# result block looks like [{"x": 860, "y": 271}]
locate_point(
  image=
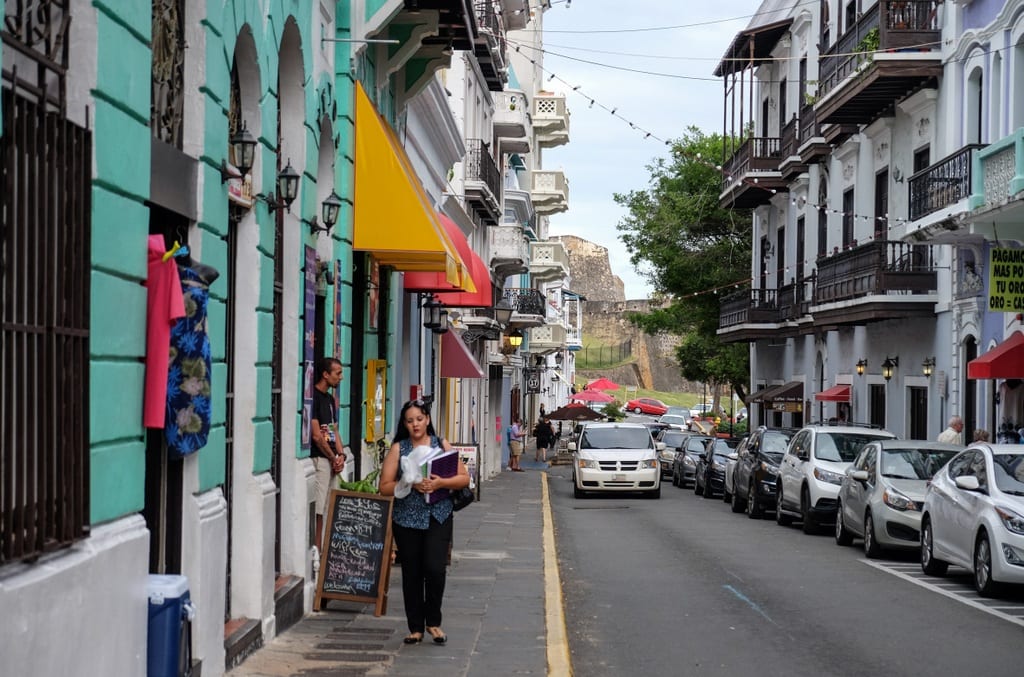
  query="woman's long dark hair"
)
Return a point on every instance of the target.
[{"x": 403, "y": 432}]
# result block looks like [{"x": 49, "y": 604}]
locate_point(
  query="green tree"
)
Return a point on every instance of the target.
[{"x": 693, "y": 252}]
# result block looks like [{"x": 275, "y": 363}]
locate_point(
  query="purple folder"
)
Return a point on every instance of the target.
[{"x": 445, "y": 465}]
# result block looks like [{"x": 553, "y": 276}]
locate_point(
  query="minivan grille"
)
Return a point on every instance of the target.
[{"x": 618, "y": 466}]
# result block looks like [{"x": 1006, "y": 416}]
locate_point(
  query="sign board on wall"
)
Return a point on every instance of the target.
[{"x": 1006, "y": 280}]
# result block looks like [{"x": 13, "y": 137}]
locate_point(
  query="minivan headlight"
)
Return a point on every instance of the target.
[
  {"x": 588, "y": 463},
  {"x": 828, "y": 476},
  {"x": 1011, "y": 520},
  {"x": 649, "y": 463}
]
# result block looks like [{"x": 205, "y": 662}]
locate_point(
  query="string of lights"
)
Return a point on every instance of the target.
[{"x": 710, "y": 22}]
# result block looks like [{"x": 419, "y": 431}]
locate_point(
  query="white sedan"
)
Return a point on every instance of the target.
[{"x": 974, "y": 516}]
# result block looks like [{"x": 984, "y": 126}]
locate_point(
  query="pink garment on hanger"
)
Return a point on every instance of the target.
[{"x": 164, "y": 305}]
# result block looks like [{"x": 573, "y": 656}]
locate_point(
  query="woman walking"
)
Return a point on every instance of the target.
[
  {"x": 544, "y": 434},
  {"x": 423, "y": 531}
]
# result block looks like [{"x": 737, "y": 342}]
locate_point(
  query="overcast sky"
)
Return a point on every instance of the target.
[{"x": 604, "y": 155}]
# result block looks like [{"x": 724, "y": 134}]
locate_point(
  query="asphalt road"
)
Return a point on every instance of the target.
[{"x": 682, "y": 586}]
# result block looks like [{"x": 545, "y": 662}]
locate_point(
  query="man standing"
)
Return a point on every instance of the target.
[
  {"x": 515, "y": 443},
  {"x": 954, "y": 433},
  {"x": 326, "y": 449}
]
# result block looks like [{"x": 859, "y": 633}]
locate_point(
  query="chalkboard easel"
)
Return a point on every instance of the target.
[{"x": 355, "y": 564}]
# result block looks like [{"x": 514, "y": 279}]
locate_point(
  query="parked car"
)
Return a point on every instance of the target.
[
  {"x": 674, "y": 421},
  {"x": 678, "y": 411},
  {"x": 709, "y": 476},
  {"x": 812, "y": 470},
  {"x": 672, "y": 439},
  {"x": 615, "y": 457},
  {"x": 730, "y": 468},
  {"x": 647, "y": 405},
  {"x": 882, "y": 493},
  {"x": 755, "y": 476},
  {"x": 974, "y": 516},
  {"x": 684, "y": 467}
]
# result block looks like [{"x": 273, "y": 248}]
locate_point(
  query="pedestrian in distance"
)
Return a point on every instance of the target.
[
  {"x": 953, "y": 434},
  {"x": 545, "y": 435},
  {"x": 326, "y": 448},
  {"x": 981, "y": 435},
  {"x": 515, "y": 443},
  {"x": 423, "y": 531}
]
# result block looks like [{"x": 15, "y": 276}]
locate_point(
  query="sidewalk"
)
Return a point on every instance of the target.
[{"x": 494, "y": 605}]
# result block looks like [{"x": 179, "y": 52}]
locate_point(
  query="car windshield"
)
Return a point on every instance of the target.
[
  {"x": 1009, "y": 473},
  {"x": 678, "y": 411},
  {"x": 774, "y": 443},
  {"x": 725, "y": 446},
  {"x": 616, "y": 438},
  {"x": 672, "y": 439},
  {"x": 840, "y": 447},
  {"x": 672, "y": 420},
  {"x": 914, "y": 464}
]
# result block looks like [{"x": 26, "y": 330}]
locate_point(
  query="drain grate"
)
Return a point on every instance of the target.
[{"x": 345, "y": 657}]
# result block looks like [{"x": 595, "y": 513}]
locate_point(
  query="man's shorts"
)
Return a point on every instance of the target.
[
  {"x": 321, "y": 482},
  {"x": 516, "y": 448}
]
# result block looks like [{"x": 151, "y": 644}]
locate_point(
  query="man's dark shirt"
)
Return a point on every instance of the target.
[{"x": 323, "y": 414}]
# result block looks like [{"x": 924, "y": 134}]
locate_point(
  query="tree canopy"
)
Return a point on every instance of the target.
[{"x": 693, "y": 252}]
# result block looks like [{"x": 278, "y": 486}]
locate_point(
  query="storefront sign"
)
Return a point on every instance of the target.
[
  {"x": 1006, "y": 280},
  {"x": 469, "y": 453},
  {"x": 240, "y": 189},
  {"x": 790, "y": 407}
]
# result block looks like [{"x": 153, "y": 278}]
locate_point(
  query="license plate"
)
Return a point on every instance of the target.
[{"x": 619, "y": 478}]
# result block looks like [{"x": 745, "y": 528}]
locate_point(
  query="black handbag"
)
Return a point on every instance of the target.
[{"x": 461, "y": 498}]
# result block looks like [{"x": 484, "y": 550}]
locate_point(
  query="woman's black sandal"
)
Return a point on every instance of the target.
[
  {"x": 439, "y": 636},
  {"x": 414, "y": 638}
]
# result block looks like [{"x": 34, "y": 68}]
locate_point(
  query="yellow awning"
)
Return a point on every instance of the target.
[{"x": 393, "y": 216}]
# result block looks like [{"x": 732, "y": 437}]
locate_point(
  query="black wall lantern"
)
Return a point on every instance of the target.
[
  {"x": 287, "y": 189},
  {"x": 243, "y": 149},
  {"x": 928, "y": 366},
  {"x": 889, "y": 366},
  {"x": 861, "y": 366},
  {"x": 435, "y": 315},
  {"x": 329, "y": 211},
  {"x": 503, "y": 312}
]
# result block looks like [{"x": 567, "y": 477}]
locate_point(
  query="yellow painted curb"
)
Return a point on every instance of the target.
[{"x": 559, "y": 661}]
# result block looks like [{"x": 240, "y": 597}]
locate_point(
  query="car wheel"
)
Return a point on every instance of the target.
[
  {"x": 738, "y": 504},
  {"x": 754, "y": 509},
  {"x": 577, "y": 492},
  {"x": 637, "y": 410},
  {"x": 810, "y": 526},
  {"x": 843, "y": 535},
  {"x": 929, "y": 564},
  {"x": 983, "y": 582},
  {"x": 781, "y": 518},
  {"x": 871, "y": 548},
  {"x": 655, "y": 494}
]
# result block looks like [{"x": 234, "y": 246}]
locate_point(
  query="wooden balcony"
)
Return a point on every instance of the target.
[
  {"x": 810, "y": 142},
  {"x": 767, "y": 313},
  {"x": 877, "y": 281},
  {"x": 856, "y": 87},
  {"x": 791, "y": 164},
  {"x": 943, "y": 184},
  {"x": 751, "y": 176}
]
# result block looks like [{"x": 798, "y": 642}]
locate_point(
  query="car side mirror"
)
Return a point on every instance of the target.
[
  {"x": 572, "y": 446},
  {"x": 859, "y": 475},
  {"x": 659, "y": 446},
  {"x": 733, "y": 456},
  {"x": 968, "y": 483},
  {"x": 802, "y": 455}
]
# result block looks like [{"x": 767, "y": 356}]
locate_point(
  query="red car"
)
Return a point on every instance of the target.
[{"x": 647, "y": 405}]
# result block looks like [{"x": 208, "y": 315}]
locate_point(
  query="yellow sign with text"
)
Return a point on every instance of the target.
[{"x": 1006, "y": 280}]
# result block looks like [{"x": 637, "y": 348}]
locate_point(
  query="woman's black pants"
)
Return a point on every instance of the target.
[{"x": 424, "y": 555}]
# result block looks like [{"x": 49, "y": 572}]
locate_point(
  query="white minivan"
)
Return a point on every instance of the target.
[{"x": 615, "y": 457}]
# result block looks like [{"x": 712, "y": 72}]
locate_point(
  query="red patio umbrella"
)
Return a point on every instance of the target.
[
  {"x": 592, "y": 396},
  {"x": 603, "y": 384}
]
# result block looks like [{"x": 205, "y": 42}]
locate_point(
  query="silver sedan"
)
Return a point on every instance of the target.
[{"x": 882, "y": 493}]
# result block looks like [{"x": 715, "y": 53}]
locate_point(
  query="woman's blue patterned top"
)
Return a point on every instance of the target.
[{"x": 413, "y": 511}]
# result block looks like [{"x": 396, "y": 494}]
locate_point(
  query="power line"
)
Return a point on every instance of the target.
[{"x": 679, "y": 26}]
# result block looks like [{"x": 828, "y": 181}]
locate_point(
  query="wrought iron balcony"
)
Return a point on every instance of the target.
[
  {"x": 528, "y": 306},
  {"x": 893, "y": 48},
  {"x": 876, "y": 281},
  {"x": 943, "y": 184},
  {"x": 513, "y": 124},
  {"x": 490, "y": 45},
  {"x": 547, "y": 338},
  {"x": 550, "y": 119},
  {"x": 510, "y": 252},
  {"x": 752, "y": 173},
  {"x": 482, "y": 182},
  {"x": 550, "y": 192},
  {"x": 548, "y": 261}
]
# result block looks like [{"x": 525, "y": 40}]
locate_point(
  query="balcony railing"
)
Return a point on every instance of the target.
[
  {"x": 877, "y": 268},
  {"x": 510, "y": 252},
  {"x": 748, "y": 306},
  {"x": 574, "y": 338},
  {"x": 945, "y": 183},
  {"x": 548, "y": 260},
  {"x": 525, "y": 301},
  {"x": 550, "y": 192},
  {"x": 788, "y": 140},
  {"x": 547, "y": 337},
  {"x": 900, "y": 25},
  {"x": 809, "y": 127},
  {"x": 756, "y": 154},
  {"x": 482, "y": 182},
  {"x": 550, "y": 119},
  {"x": 794, "y": 299},
  {"x": 512, "y": 121},
  {"x": 996, "y": 177},
  {"x": 490, "y": 47}
]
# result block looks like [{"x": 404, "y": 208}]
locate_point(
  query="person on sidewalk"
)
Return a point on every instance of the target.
[
  {"x": 423, "y": 531},
  {"x": 954, "y": 433},
  {"x": 515, "y": 443},
  {"x": 326, "y": 448},
  {"x": 544, "y": 434}
]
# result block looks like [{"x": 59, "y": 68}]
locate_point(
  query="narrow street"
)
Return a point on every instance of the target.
[{"x": 681, "y": 585}]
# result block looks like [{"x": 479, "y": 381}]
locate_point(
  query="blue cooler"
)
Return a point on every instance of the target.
[{"x": 169, "y": 647}]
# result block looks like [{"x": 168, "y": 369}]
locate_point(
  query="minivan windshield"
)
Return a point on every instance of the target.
[
  {"x": 841, "y": 447},
  {"x": 616, "y": 438}
]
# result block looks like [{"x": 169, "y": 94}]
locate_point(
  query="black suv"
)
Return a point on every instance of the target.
[{"x": 757, "y": 470}]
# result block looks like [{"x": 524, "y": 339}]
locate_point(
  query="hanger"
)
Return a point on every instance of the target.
[{"x": 173, "y": 251}]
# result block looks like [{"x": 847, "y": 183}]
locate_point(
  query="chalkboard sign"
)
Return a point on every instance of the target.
[{"x": 355, "y": 564}]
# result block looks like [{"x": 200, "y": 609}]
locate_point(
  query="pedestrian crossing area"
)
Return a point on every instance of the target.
[{"x": 957, "y": 584}]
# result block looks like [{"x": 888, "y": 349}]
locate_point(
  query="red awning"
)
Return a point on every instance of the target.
[
  {"x": 1006, "y": 360},
  {"x": 438, "y": 282},
  {"x": 837, "y": 393},
  {"x": 483, "y": 297},
  {"x": 456, "y": 360}
]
